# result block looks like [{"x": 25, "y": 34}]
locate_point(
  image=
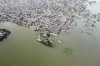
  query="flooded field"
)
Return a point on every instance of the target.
[{"x": 80, "y": 46}]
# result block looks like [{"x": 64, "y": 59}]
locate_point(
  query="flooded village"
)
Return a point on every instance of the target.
[{"x": 50, "y": 21}]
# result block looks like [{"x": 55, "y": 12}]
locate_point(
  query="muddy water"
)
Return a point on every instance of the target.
[{"x": 22, "y": 49}]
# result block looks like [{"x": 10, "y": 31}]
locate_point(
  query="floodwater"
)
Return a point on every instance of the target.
[{"x": 22, "y": 49}]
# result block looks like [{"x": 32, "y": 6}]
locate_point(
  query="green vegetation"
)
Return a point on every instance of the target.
[
  {"x": 48, "y": 34},
  {"x": 4, "y": 34},
  {"x": 46, "y": 43},
  {"x": 44, "y": 39},
  {"x": 68, "y": 51}
]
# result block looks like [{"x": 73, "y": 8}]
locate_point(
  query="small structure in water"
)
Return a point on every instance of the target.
[
  {"x": 46, "y": 43},
  {"x": 44, "y": 39},
  {"x": 4, "y": 33}
]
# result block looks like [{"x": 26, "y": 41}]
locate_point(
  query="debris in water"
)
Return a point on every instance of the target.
[{"x": 59, "y": 41}]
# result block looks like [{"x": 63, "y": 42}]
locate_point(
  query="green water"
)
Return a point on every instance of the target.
[{"x": 22, "y": 49}]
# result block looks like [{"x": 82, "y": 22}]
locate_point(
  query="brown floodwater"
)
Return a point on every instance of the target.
[{"x": 22, "y": 49}]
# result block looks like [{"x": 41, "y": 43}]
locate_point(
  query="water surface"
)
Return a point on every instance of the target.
[{"x": 22, "y": 49}]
